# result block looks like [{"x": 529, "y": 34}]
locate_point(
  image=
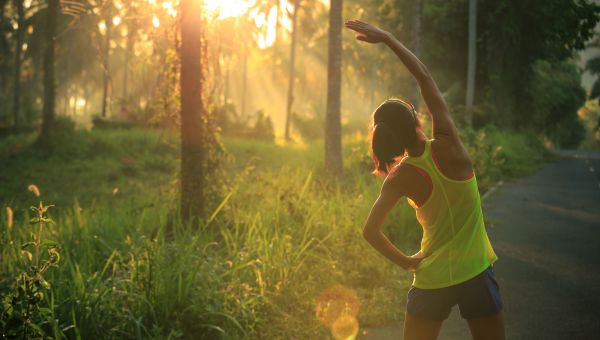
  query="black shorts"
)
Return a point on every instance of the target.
[{"x": 477, "y": 297}]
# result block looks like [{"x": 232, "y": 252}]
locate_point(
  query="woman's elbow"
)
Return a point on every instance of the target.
[{"x": 369, "y": 234}]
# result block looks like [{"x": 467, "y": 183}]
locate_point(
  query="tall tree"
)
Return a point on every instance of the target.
[
  {"x": 192, "y": 113},
  {"x": 245, "y": 51},
  {"x": 4, "y": 50},
  {"x": 275, "y": 47},
  {"x": 417, "y": 32},
  {"x": 472, "y": 58},
  {"x": 333, "y": 127},
  {"x": 292, "y": 72},
  {"x": 106, "y": 65},
  {"x": 49, "y": 86},
  {"x": 18, "y": 56},
  {"x": 131, "y": 32}
]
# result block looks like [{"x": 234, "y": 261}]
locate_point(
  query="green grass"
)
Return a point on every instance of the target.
[{"x": 284, "y": 234}]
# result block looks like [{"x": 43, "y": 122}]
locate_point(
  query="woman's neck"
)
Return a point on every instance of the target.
[{"x": 417, "y": 148}]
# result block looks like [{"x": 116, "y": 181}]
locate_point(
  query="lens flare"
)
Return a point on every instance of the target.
[
  {"x": 344, "y": 328},
  {"x": 337, "y": 308},
  {"x": 155, "y": 21}
]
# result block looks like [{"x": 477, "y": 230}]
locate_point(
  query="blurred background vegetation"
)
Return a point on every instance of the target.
[{"x": 279, "y": 232}]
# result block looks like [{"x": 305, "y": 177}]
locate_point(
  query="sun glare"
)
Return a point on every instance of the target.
[{"x": 228, "y": 8}]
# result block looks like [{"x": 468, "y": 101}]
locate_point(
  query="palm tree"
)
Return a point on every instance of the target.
[
  {"x": 333, "y": 128},
  {"x": 131, "y": 32},
  {"x": 18, "y": 57},
  {"x": 3, "y": 48},
  {"x": 292, "y": 73},
  {"x": 192, "y": 113},
  {"x": 49, "y": 86},
  {"x": 417, "y": 48},
  {"x": 106, "y": 64},
  {"x": 472, "y": 58}
]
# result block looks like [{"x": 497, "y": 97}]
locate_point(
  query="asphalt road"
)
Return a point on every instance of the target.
[{"x": 545, "y": 229}]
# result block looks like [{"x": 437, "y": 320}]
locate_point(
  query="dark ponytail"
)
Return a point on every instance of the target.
[
  {"x": 386, "y": 147},
  {"x": 394, "y": 130}
]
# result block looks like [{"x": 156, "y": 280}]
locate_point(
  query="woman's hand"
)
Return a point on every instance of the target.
[
  {"x": 412, "y": 262},
  {"x": 366, "y": 32}
]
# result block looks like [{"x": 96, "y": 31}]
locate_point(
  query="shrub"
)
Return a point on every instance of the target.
[
  {"x": 105, "y": 124},
  {"x": 259, "y": 125},
  {"x": 557, "y": 95}
]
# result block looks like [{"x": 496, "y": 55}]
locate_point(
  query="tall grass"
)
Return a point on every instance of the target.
[{"x": 283, "y": 234}]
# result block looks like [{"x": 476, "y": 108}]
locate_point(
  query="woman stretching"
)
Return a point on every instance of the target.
[{"x": 454, "y": 263}]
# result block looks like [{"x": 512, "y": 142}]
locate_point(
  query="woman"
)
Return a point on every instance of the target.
[{"x": 453, "y": 265}]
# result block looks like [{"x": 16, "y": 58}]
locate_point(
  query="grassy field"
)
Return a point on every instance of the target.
[{"x": 281, "y": 256}]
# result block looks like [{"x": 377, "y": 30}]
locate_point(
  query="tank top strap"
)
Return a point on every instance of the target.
[{"x": 423, "y": 159}]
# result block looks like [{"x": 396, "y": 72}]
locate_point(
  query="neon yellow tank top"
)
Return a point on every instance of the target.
[{"x": 454, "y": 237}]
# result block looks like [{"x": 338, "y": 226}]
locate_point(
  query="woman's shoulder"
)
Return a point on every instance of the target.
[{"x": 449, "y": 149}]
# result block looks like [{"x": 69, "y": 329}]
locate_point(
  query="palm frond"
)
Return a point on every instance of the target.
[{"x": 74, "y": 8}]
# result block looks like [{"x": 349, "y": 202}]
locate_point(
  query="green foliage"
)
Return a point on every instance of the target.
[
  {"x": 281, "y": 235},
  {"x": 500, "y": 154},
  {"x": 593, "y": 65},
  {"x": 309, "y": 127},
  {"x": 590, "y": 116},
  {"x": 557, "y": 95},
  {"x": 312, "y": 127},
  {"x": 100, "y": 162},
  {"x": 63, "y": 140},
  {"x": 263, "y": 127},
  {"x": 516, "y": 37},
  {"x": 100, "y": 123},
  {"x": 258, "y": 126},
  {"x": 24, "y": 312}
]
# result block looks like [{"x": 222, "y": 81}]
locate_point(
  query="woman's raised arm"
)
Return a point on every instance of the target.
[{"x": 443, "y": 126}]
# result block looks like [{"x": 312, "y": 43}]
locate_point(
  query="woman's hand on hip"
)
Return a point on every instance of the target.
[{"x": 413, "y": 262}]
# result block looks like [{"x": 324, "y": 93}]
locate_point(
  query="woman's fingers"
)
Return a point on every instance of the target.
[
  {"x": 356, "y": 28},
  {"x": 352, "y": 24},
  {"x": 356, "y": 24}
]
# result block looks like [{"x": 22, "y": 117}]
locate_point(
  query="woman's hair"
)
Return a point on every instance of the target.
[{"x": 394, "y": 129}]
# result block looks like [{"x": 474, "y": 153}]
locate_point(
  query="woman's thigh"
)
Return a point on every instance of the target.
[
  {"x": 421, "y": 329},
  {"x": 487, "y": 328}
]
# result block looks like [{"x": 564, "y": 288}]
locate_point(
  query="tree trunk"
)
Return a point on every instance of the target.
[
  {"x": 192, "y": 112},
  {"x": 49, "y": 86},
  {"x": 86, "y": 97},
  {"x": 18, "y": 56},
  {"x": 472, "y": 59},
  {"x": 243, "y": 112},
  {"x": 226, "y": 85},
  {"x": 128, "y": 51},
  {"x": 373, "y": 86},
  {"x": 292, "y": 73},
  {"x": 333, "y": 126},
  {"x": 275, "y": 42},
  {"x": 106, "y": 65},
  {"x": 4, "y": 51},
  {"x": 416, "y": 96}
]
